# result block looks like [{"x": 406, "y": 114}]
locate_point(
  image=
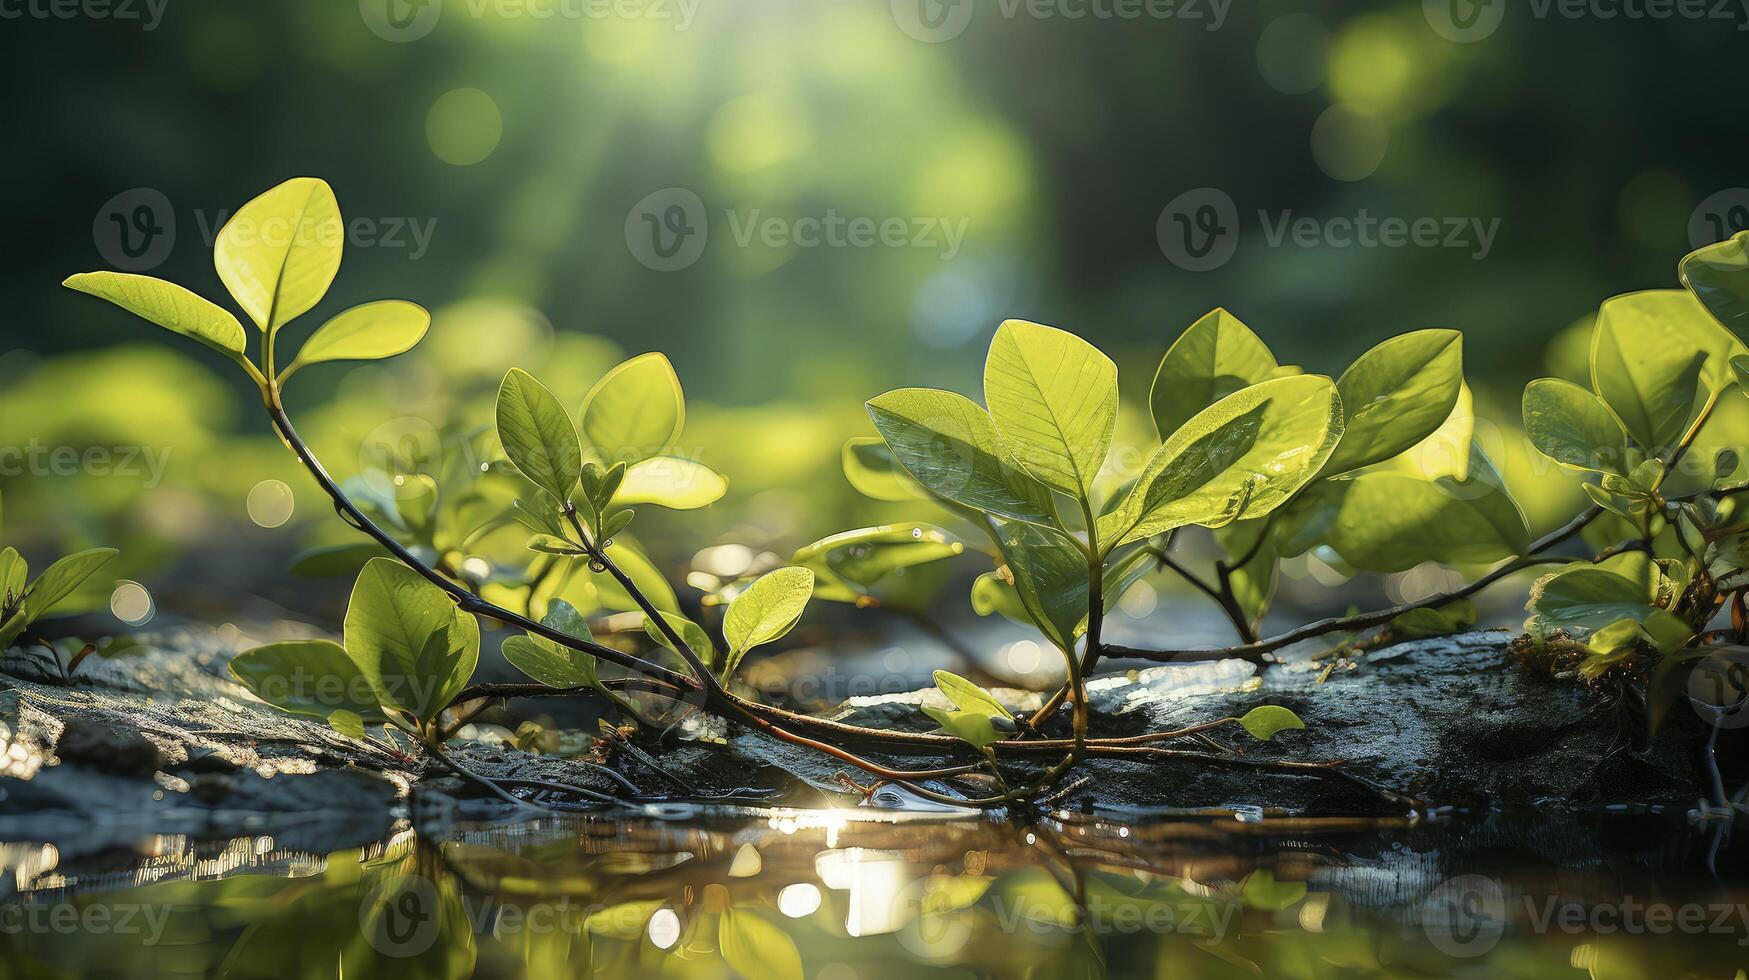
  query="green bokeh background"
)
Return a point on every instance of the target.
[{"x": 522, "y": 143}]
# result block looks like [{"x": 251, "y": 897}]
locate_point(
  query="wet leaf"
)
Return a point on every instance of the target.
[{"x": 1269, "y": 720}]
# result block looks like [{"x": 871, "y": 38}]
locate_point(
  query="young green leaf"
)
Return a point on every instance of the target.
[
  {"x": 169, "y": 306},
  {"x": 871, "y": 469},
  {"x": 365, "y": 333},
  {"x": 967, "y": 696},
  {"x": 1655, "y": 356},
  {"x": 867, "y": 555},
  {"x": 672, "y": 482},
  {"x": 765, "y": 611},
  {"x": 550, "y": 663},
  {"x": 1390, "y": 522},
  {"x": 414, "y": 647},
  {"x": 697, "y": 640},
  {"x": 976, "y": 716},
  {"x": 1053, "y": 396},
  {"x": 951, "y": 447},
  {"x": 1241, "y": 457},
  {"x": 13, "y": 572},
  {"x": 537, "y": 434},
  {"x": 1050, "y": 575},
  {"x": 1395, "y": 394},
  {"x": 1718, "y": 275},
  {"x": 279, "y": 253},
  {"x": 58, "y": 581},
  {"x": 991, "y": 593},
  {"x": 1217, "y": 356},
  {"x": 1573, "y": 427},
  {"x": 347, "y": 723},
  {"x": 309, "y": 678},
  {"x": 1590, "y": 596},
  {"x": 1269, "y": 720},
  {"x": 636, "y": 411}
]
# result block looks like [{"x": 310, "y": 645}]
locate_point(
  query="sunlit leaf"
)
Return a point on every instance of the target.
[
  {"x": 13, "y": 572},
  {"x": 1395, "y": 394},
  {"x": 1587, "y": 596},
  {"x": 1267, "y": 721},
  {"x": 1390, "y": 522},
  {"x": 347, "y": 723},
  {"x": 644, "y": 575},
  {"x": 1655, "y": 356},
  {"x": 754, "y": 947},
  {"x": 1239, "y": 458},
  {"x": 991, "y": 593},
  {"x": 1217, "y": 356},
  {"x": 1719, "y": 277},
  {"x": 309, "y": 678},
  {"x": 1053, "y": 397},
  {"x": 636, "y": 411},
  {"x": 950, "y": 446},
  {"x": 550, "y": 663},
  {"x": 169, "y": 306},
  {"x": 870, "y": 467},
  {"x": 1051, "y": 577},
  {"x": 697, "y": 640},
  {"x": 279, "y": 253},
  {"x": 1419, "y": 624},
  {"x": 976, "y": 716},
  {"x": 672, "y": 482},
  {"x": 409, "y": 640},
  {"x": 58, "y": 581},
  {"x": 766, "y": 610},
  {"x": 537, "y": 434},
  {"x": 366, "y": 333},
  {"x": 867, "y": 555},
  {"x": 1573, "y": 427}
]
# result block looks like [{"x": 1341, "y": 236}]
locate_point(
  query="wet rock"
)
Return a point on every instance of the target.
[{"x": 92, "y": 744}]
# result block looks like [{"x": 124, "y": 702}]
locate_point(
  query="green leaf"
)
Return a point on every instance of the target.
[
  {"x": 672, "y": 482},
  {"x": 13, "y": 572},
  {"x": 951, "y": 447},
  {"x": 1740, "y": 367},
  {"x": 58, "y": 581},
  {"x": 766, "y": 610},
  {"x": 335, "y": 560},
  {"x": 636, "y": 411},
  {"x": 871, "y": 469},
  {"x": 1586, "y": 596},
  {"x": 1239, "y": 458},
  {"x": 279, "y": 253},
  {"x": 867, "y": 555},
  {"x": 976, "y": 718},
  {"x": 644, "y": 575},
  {"x": 169, "y": 306},
  {"x": 1395, "y": 395},
  {"x": 697, "y": 640},
  {"x": 753, "y": 947},
  {"x": 1655, "y": 356},
  {"x": 1260, "y": 890},
  {"x": 347, "y": 723},
  {"x": 1718, "y": 275},
  {"x": 538, "y": 435},
  {"x": 308, "y": 678},
  {"x": 991, "y": 593},
  {"x": 1420, "y": 624},
  {"x": 1050, "y": 575},
  {"x": 1269, "y": 720},
  {"x": 1053, "y": 397},
  {"x": 409, "y": 640},
  {"x": 1386, "y": 521},
  {"x": 1217, "y": 356},
  {"x": 1573, "y": 427},
  {"x": 365, "y": 333},
  {"x": 550, "y": 663}
]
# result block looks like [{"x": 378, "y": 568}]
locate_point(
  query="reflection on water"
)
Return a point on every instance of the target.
[{"x": 857, "y": 895}]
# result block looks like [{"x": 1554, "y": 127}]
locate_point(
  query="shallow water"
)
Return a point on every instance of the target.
[{"x": 861, "y": 894}]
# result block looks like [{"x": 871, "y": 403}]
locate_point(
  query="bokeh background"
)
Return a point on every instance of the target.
[{"x": 510, "y": 164}]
